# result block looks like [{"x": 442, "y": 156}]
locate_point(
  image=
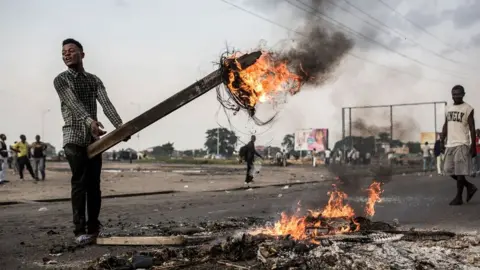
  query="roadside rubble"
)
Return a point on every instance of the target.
[{"x": 230, "y": 246}]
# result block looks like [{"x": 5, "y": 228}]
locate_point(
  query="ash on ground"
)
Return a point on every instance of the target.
[{"x": 232, "y": 247}]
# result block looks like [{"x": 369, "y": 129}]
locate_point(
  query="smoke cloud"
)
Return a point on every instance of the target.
[
  {"x": 316, "y": 55},
  {"x": 322, "y": 49},
  {"x": 318, "y": 48},
  {"x": 403, "y": 129}
]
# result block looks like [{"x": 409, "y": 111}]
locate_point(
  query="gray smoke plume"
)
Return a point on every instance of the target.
[
  {"x": 318, "y": 48},
  {"x": 403, "y": 129},
  {"x": 317, "y": 54}
]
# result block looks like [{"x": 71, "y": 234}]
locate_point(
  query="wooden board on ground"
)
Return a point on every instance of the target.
[{"x": 141, "y": 241}]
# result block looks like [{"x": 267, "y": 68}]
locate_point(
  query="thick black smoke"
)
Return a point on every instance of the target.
[
  {"x": 317, "y": 54},
  {"x": 318, "y": 48}
]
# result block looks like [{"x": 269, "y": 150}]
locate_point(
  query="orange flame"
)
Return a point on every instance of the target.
[
  {"x": 309, "y": 226},
  {"x": 374, "y": 192},
  {"x": 260, "y": 81},
  {"x": 335, "y": 207}
]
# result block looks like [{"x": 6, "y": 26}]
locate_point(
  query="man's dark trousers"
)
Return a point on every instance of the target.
[
  {"x": 249, "y": 177},
  {"x": 85, "y": 188},
  {"x": 22, "y": 163}
]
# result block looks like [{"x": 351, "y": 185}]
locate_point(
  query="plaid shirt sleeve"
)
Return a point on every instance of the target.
[
  {"x": 108, "y": 108},
  {"x": 70, "y": 100}
]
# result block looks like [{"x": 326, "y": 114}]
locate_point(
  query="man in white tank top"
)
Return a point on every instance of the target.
[{"x": 459, "y": 132}]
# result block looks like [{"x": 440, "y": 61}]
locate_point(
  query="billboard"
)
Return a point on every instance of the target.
[
  {"x": 309, "y": 139},
  {"x": 429, "y": 137}
]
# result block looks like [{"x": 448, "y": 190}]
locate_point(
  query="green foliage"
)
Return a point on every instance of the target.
[
  {"x": 228, "y": 141},
  {"x": 288, "y": 142},
  {"x": 164, "y": 150}
]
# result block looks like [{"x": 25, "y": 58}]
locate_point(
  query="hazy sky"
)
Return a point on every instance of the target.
[{"x": 147, "y": 50}]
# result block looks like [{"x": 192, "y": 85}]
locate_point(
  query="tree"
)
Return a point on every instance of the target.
[
  {"x": 228, "y": 141},
  {"x": 164, "y": 150},
  {"x": 188, "y": 153},
  {"x": 288, "y": 142}
]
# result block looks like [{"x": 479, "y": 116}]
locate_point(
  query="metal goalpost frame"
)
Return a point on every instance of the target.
[{"x": 349, "y": 109}]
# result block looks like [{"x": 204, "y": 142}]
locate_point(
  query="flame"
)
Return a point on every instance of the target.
[
  {"x": 323, "y": 221},
  {"x": 336, "y": 208},
  {"x": 260, "y": 81},
  {"x": 374, "y": 192}
]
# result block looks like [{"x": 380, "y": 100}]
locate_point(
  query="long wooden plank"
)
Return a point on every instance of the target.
[
  {"x": 165, "y": 108},
  {"x": 141, "y": 241}
]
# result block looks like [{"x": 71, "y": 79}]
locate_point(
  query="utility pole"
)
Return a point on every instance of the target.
[{"x": 218, "y": 142}]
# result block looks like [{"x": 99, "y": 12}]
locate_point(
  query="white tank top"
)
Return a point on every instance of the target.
[{"x": 457, "y": 124}]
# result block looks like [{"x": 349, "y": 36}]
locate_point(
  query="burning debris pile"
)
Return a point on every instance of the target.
[
  {"x": 336, "y": 218},
  {"x": 331, "y": 238},
  {"x": 366, "y": 250}
]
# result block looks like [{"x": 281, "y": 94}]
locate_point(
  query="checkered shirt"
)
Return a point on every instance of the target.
[{"x": 78, "y": 93}]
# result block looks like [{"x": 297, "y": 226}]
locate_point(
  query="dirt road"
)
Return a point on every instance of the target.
[{"x": 31, "y": 231}]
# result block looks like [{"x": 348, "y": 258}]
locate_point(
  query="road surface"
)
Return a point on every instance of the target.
[{"x": 28, "y": 231}]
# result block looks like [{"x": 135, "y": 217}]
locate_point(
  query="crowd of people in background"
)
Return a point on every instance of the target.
[{"x": 20, "y": 156}]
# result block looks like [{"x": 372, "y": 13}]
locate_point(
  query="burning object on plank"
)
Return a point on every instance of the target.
[
  {"x": 259, "y": 82},
  {"x": 277, "y": 74}
]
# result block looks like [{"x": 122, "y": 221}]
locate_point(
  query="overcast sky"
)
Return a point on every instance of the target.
[{"x": 147, "y": 50}]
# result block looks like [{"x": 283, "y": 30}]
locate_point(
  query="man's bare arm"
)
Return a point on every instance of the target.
[
  {"x": 71, "y": 101},
  {"x": 471, "y": 125},
  {"x": 107, "y": 105},
  {"x": 444, "y": 134}
]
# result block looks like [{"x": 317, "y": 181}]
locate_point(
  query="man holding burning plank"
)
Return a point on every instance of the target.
[
  {"x": 459, "y": 131},
  {"x": 79, "y": 91}
]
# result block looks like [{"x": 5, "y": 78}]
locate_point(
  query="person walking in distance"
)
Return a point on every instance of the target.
[
  {"x": 426, "y": 157},
  {"x": 459, "y": 133},
  {"x": 79, "y": 92},
  {"x": 14, "y": 159},
  {"x": 250, "y": 154},
  {"x": 438, "y": 152},
  {"x": 3, "y": 158},
  {"x": 38, "y": 148},
  {"x": 23, "y": 157},
  {"x": 314, "y": 157},
  {"x": 328, "y": 154}
]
